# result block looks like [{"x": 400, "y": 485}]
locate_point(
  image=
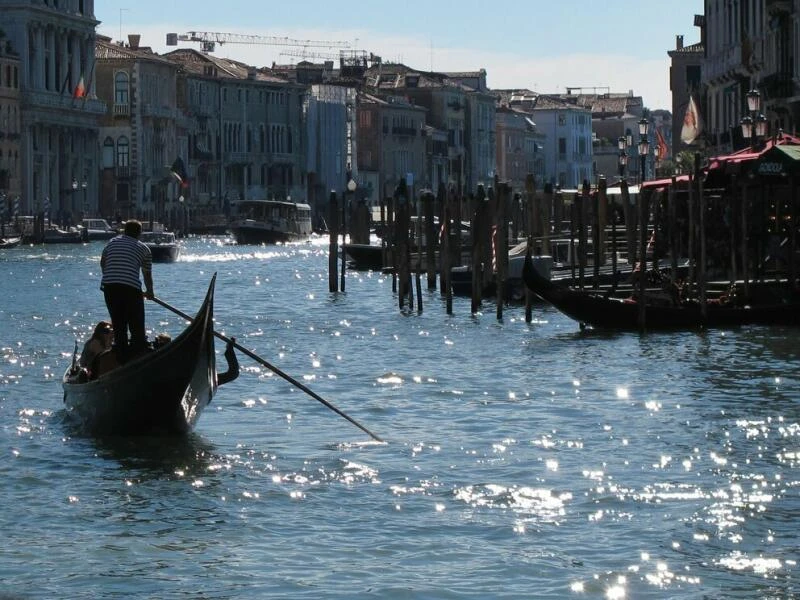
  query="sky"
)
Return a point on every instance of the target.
[{"x": 542, "y": 45}]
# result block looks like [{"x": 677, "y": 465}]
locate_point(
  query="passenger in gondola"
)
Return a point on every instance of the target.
[
  {"x": 97, "y": 344},
  {"x": 123, "y": 258}
]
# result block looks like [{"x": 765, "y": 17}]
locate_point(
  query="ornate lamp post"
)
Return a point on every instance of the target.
[
  {"x": 754, "y": 126},
  {"x": 644, "y": 146},
  {"x": 623, "y": 156},
  {"x": 72, "y": 203},
  {"x": 84, "y": 184}
]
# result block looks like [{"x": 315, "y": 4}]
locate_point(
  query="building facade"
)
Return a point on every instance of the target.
[
  {"x": 141, "y": 132},
  {"x": 58, "y": 137},
  {"x": 480, "y": 130},
  {"x": 391, "y": 145},
  {"x": 330, "y": 125},
  {"x": 10, "y": 129},
  {"x": 749, "y": 45},
  {"x": 445, "y": 103},
  {"x": 685, "y": 79},
  {"x": 568, "y": 128},
  {"x": 520, "y": 145},
  {"x": 245, "y": 130}
]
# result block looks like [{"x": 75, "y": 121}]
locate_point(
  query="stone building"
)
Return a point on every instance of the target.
[
  {"x": 10, "y": 127},
  {"x": 446, "y": 105},
  {"x": 684, "y": 79},
  {"x": 568, "y": 128},
  {"x": 55, "y": 41},
  {"x": 749, "y": 45},
  {"x": 520, "y": 142},
  {"x": 246, "y": 132},
  {"x": 141, "y": 133},
  {"x": 391, "y": 144},
  {"x": 481, "y": 163}
]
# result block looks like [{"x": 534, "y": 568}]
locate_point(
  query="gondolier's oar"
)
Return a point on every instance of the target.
[{"x": 275, "y": 370}]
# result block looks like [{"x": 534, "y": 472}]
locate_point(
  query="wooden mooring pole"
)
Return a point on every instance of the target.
[{"x": 333, "y": 243}]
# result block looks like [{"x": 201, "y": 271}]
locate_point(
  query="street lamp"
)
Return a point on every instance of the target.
[
  {"x": 84, "y": 184},
  {"x": 72, "y": 203},
  {"x": 622, "y": 144},
  {"x": 644, "y": 145},
  {"x": 754, "y": 125}
]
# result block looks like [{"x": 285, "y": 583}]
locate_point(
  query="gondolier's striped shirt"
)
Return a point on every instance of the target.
[{"x": 123, "y": 257}]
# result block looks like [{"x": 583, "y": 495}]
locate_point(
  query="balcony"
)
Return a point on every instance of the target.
[
  {"x": 148, "y": 109},
  {"x": 778, "y": 86},
  {"x": 122, "y": 110},
  {"x": 410, "y": 131},
  {"x": 54, "y": 100},
  {"x": 122, "y": 172},
  {"x": 778, "y": 7}
]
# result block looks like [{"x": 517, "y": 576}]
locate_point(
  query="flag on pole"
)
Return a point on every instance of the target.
[
  {"x": 691, "y": 123},
  {"x": 179, "y": 172},
  {"x": 663, "y": 149},
  {"x": 80, "y": 89}
]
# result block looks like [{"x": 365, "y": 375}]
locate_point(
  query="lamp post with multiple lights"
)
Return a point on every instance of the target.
[
  {"x": 754, "y": 126},
  {"x": 644, "y": 147},
  {"x": 623, "y": 143}
]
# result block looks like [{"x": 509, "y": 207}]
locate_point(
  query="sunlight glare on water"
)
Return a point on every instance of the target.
[{"x": 520, "y": 459}]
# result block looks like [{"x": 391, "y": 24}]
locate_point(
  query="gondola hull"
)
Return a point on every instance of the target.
[
  {"x": 600, "y": 311},
  {"x": 162, "y": 391}
]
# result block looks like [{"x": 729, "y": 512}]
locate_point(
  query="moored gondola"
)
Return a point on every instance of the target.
[
  {"x": 770, "y": 306},
  {"x": 162, "y": 391}
]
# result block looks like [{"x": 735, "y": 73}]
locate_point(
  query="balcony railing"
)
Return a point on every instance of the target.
[
  {"x": 122, "y": 110},
  {"x": 148, "y": 109},
  {"x": 123, "y": 172},
  {"x": 46, "y": 99},
  {"x": 410, "y": 131}
]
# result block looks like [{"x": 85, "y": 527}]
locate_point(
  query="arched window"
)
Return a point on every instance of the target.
[
  {"x": 123, "y": 152},
  {"x": 121, "y": 88},
  {"x": 108, "y": 153}
]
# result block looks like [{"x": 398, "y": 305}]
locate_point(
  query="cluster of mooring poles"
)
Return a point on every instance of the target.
[{"x": 713, "y": 231}]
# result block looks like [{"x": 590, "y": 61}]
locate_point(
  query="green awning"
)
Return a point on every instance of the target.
[{"x": 779, "y": 161}]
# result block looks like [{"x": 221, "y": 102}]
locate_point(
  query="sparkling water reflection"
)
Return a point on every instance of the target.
[{"x": 523, "y": 460}]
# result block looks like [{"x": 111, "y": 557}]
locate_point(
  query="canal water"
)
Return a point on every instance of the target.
[{"x": 522, "y": 460}]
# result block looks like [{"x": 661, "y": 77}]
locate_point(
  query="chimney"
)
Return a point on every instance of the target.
[
  {"x": 133, "y": 41},
  {"x": 679, "y": 42}
]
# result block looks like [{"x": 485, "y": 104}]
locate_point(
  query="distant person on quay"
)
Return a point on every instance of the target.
[{"x": 123, "y": 258}]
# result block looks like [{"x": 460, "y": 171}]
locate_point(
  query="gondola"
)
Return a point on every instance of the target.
[
  {"x": 162, "y": 391},
  {"x": 769, "y": 306}
]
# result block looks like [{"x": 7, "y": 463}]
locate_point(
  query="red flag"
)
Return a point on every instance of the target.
[
  {"x": 691, "y": 123},
  {"x": 663, "y": 149},
  {"x": 80, "y": 89}
]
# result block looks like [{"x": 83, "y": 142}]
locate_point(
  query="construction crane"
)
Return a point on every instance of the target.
[
  {"x": 210, "y": 39},
  {"x": 347, "y": 58}
]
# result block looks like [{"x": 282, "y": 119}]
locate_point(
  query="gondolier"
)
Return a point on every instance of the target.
[{"x": 123, "y": 258}]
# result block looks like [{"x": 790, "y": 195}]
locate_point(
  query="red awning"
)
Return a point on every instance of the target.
[
  {"x": 748, "y": 154},
  {"x": 664, "y": 183}
]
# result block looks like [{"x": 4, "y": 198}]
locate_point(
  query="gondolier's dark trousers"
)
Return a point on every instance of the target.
[{"x": 126, "y": 306}]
